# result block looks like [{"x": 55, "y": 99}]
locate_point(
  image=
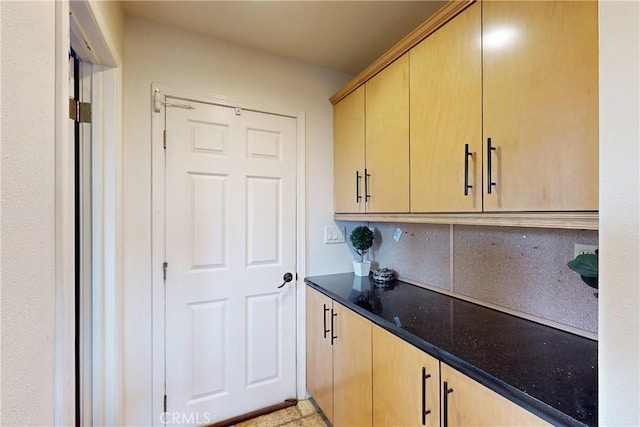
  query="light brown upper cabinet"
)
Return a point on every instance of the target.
[
  {"x": 496, "y": 111},
  {"x": 446, "y": 117},
  {"x": 387, "y": 139},
  {"x": 540, "y": 105},
  {"x": 348, "y": 153},
  {"x": 371, "y": 144}
]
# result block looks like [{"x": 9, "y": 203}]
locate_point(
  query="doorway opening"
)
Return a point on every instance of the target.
[{"x": 80, "y": 122}]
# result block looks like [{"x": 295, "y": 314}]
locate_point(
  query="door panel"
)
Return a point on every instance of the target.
[
  {"x": 207, "y": 137},
  {"x": 352, "y": 369},
  {"x": 320, "y": 350},
  {"x": 348, "y": 153},
  {"x": 540, "y": 73},
  {"x": 469, "y": 403},
  {"x": 263, "y": 340},
  {"x": 230, "y": 236},
  {"x": 208, "y": 348},
  {"x": 406, "y": 382},
  {"x": 446, "y": 114},
  {"x": 263, "y": 220},
  {"x": 208, "y": 213},
  {"x": 387, "y": 138}
]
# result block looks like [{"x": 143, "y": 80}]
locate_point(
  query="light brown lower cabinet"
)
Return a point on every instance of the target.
[
  {"x": 466, "y": 402},
  {"x": 319, "y": 350},
  {"x": 361, "y": 375},
  {"x": 406, "y": 383},
  {"x": 352, "y": 370},
  {"x": 339, "y": 367}
]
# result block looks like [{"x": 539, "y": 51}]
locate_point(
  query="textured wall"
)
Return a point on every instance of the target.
[
  {"x": 27, "y": 226},
  {"x": 422, "y": 253},
  {"x": 521, "y": 269}
]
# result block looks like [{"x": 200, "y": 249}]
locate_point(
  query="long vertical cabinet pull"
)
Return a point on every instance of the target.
[
  {"x": 324, "y": 319},
  {"x": 445, "y": 404},
  {"x": 490, "y": 182},
  {"x": 467, "y": 154},
  {"x": 333, "y": 316},
  {"x": 367, "y": 196},
  {"x": 358, "y": 196},
  {"x": 425, "y": 411}
]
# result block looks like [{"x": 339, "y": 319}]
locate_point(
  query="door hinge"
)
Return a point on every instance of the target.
[
  {"x": 79, "y": 111},
  {"x": 165, "y": 404},
  {"x": 164, "y": 139},
  {"x": 164, "y": 270}
]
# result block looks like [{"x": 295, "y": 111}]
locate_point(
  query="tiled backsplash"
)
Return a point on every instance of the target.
[{"x": 520, "y": 269}]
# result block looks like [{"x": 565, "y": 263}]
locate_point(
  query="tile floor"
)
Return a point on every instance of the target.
[{"x": 304, "y": 414}]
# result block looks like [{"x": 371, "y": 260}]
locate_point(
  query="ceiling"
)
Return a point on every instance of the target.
[{"x": 345, "y": 36}]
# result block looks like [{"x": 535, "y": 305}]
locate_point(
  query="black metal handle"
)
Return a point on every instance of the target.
[
  {"x": 445, "y": 404},
  {"x": 287, "y": 278},
  {"x": 358, "y": 196},
  {"x": 333, "y": 315},
  {"x": 367, "y": 196},
  {"x": 324, "y": 320},
  {"x": 467, "y": 154},
  {"x": 490, "y": 182},
  {"x": 425, "y": 411}
]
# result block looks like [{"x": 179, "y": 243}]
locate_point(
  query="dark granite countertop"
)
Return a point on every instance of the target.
[{"x": 550, "y": 372}]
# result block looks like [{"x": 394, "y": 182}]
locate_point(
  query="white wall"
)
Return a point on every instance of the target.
[
  {"x": 619, "y": 344},
  {"x": 184, "y": 61},
  {"x": 27, "y": 225}
]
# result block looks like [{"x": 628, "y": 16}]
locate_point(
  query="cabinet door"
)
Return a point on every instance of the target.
[
  {"x": 351, "y": 369},
  {"x": 406, "y": 383},
  {"x": 469, "y": 403},
  {"x": 348, "y": 153},
  {"x": 319, "y": 351},
  {"x": 540, "y": 76},
  {"x": 387, "y": 138},
  {"x": 446, "y": 115}
]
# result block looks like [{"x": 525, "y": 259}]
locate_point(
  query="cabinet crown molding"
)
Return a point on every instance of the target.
[{"x": 441, "y": 17}]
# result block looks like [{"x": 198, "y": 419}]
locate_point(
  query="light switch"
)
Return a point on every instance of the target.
[{"x": 333, "y": 234}]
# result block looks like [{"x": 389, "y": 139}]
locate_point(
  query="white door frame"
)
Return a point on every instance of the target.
[
  {"x": 158, "y": 234},
  {"x": 64, "y": 230},
  {"x": 86, "y": 36}
]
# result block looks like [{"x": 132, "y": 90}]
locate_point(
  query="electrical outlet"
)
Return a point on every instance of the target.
[
  {"x": 333, "y": 234},
  {"x": 579, "y": 249},
  {"x": 397, "y": 235}
]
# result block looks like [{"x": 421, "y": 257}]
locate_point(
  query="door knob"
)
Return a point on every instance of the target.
[{"x": 287, "y": 278}]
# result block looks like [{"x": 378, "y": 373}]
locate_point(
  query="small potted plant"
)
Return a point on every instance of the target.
[{"x": 361, "y": 239}]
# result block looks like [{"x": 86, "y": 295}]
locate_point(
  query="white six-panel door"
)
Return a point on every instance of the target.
[{"x": 230, "y": 237}]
